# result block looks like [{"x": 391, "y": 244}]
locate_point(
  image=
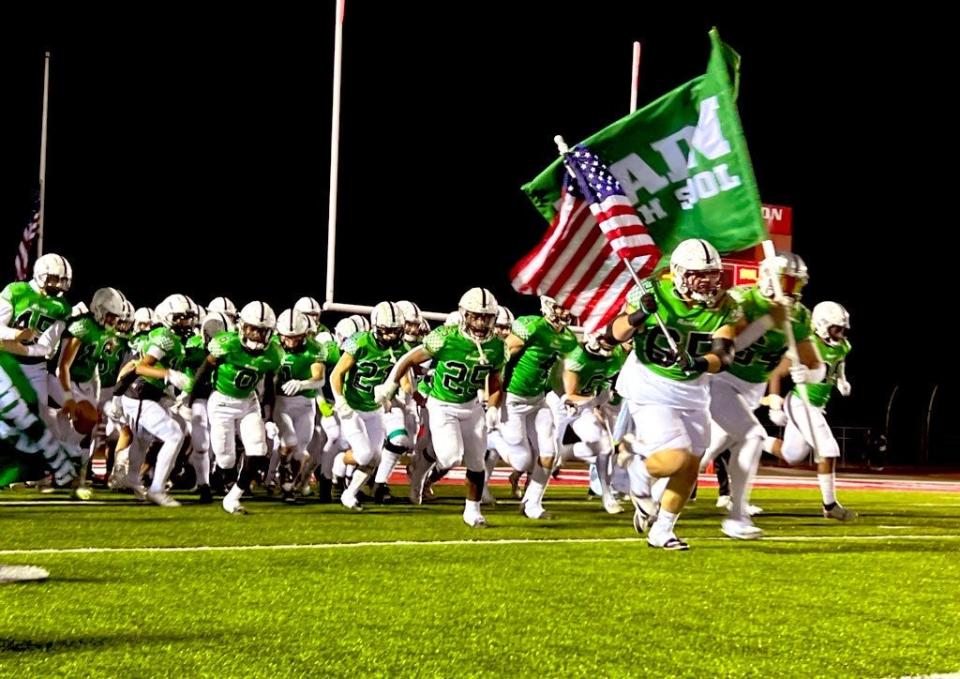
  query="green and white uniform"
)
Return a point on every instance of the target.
[
  {"x": 736, "y": 392},
  {"x": 364, "y": 428},
  {"x": 528, "y": 381},
  {"x": 797, "y": 438},
  {"x": 23, "y": 305},
  {"x": 234, "y": 404},
  {"x": 596, "y": 375},
  {"x": 148, "y": 417},
  {"x": 667, "y": 404},
  {"x": 296, "y": 415},
  {"x": 456, "y": 418}
]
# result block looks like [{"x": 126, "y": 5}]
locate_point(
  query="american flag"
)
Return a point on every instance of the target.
[
  {"x": 582, "y": 266},
  {"x": 30, "y": 232}
]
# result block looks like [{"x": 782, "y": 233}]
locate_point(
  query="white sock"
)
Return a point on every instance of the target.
[
  {"x": 165, "y": 460},
  {"x": 388, "y": 460},
  {"x": 471, "y": 507},
  {"x": 768, "y": 444},
  {"x": 360, "y": 477},
  {"x": 339, "y": 468},
  {"x": 665, "y": 521},
  {"x": 827, "y": 487},
  {"x": 201, "y": 466},
  {"x": 658, "y": 489},
  {"x": 640, "y": 478},
  {"x": 537, "y": 487}
]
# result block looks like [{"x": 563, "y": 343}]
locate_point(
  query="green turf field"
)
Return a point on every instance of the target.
[{"x": 576, "y": 596}]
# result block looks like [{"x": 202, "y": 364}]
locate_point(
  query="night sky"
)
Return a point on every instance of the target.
[{"x": 171, "y": 136}]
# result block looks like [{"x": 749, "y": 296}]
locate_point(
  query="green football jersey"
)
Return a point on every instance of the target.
[
  {"x": 167, "y": 347},
  {"x": 832, "y": 356},
  {"x": 35, "y": 310},
  {"x": 459, "y": 370},
  {"x": 530, "y": 368},
  {"x": 755, "y": 363},
  {"x": 297, "y": 365},
  {"x": 238, "y": 370},
  {"x": 595, "y": 373},
  {"x": 101, "y": 352},
  {"x": 371, "y": 368},
  {"x": 691, "y": 328}
]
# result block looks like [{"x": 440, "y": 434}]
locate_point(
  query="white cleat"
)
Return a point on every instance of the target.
[
  {"x": 161, "y": 498},
  {"x": 724, "y": 502},
  {"x": 740, "y": 529},
  {"x": 350, "y": 501},
  {"x": 644, "y": 513},
  {"x": 611, "y": 505},
  {"x": 666, "y": 540},
  {"x": 753, "y": 510},
  {"x": 840, "y": 513},
  {"x": 535, "y": 512},
  {"x": 487, "y": 498},
  {"x": 233, "y": 506},
  {"x": 140, "y": 492},
  {"x": 474, "y": 520}
]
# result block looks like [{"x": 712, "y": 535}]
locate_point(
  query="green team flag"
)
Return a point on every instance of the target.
[{"x": 682, "y": 161}]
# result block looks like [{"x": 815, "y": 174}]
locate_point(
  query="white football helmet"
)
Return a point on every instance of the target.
[
  {"x": 555, "y": 314},
  {"x": 362, "y": 322},
  {"x": 386, "y": 319},
  {"x": 310, "y": 308},
  {"x": 831, "y": 322},
  {"x": 504, "y": 322},
  {"x": 53, "y": 274},
  {"x": 143, "y": 319},
  {"x": 293, "y": 326},
  {"x": 791, "y": 271},
  {"x": 424, "y": 327},
  {"x": 478, "y": 312},
  {"x": 411, "y": 321},
  {"x": 108, "y": 306},
  {"x": 214, "y": 323},
  {"x": 223, "y": 305},
  {"x": 346, "y": 328},
  {"x": 256, "y": 325},
  {"x": 697, "y": 271},
  {"x": 177, "y": 313}
]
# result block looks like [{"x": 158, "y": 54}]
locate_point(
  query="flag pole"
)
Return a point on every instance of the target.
[
  {"x": 43, "y": 147},
  {"x": 334, "y": 153},
  {"x": 635, "y": 76},
  {"x": 564, "y": 150}
]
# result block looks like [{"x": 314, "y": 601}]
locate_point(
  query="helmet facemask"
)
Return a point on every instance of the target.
[
  {"x": 254, "y": 337},
  {"x": 476, "y": 325}
]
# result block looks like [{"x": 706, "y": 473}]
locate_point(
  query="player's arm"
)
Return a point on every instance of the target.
[
  {"x": 571, "y": 387},
  {"x": 208, "y": 364},
  {"x": 625, "y": 326},
  {"x": 513, "y": 345},
  {"x": 69, "y": 352},
  {"x": 416, "y": 356},
  {"x": 47, "y": 340},
  {"x": 268, "y": 395},
  {"x": 316, "y": 381}
]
